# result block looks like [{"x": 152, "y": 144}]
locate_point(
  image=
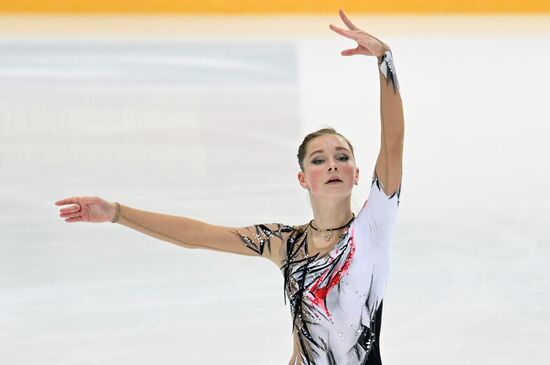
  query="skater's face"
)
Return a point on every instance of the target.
[{"x": 328, "y": 157}]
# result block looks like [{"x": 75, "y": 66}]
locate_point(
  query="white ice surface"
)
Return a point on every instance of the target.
[{"x": 208, "y": 127}]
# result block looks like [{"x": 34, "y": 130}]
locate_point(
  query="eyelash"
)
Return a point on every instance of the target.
[{"x": 346, "y": 158}]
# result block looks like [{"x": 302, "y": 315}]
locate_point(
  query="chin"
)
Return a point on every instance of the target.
[{"x": 340, "y": 191}]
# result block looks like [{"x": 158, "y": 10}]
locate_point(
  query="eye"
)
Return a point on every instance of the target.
[
  {"x": 317, "y": 161},
  {"x": 343, "y": 158}
]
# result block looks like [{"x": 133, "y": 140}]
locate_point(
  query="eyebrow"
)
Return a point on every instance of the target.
[{"x": 337, "y": 148}]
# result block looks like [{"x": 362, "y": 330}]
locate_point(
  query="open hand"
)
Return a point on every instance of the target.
[
  {"x": 366, "y": 44},
  {"x": 91, "y": 209}
]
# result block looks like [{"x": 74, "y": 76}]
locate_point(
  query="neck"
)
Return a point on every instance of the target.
[{"x": 331, "y": 213}]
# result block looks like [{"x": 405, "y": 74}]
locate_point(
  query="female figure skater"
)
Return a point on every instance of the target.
[{"x": 334, "y": 267}]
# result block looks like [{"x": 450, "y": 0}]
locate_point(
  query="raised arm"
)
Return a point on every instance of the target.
[
  {"x": 265, "y": 240},
  {"x": 389, "y": 163}
]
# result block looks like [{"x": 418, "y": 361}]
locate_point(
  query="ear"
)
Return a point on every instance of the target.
[
  {"x": 302, "y": 180},
  {"x": 356, "y": 181}
]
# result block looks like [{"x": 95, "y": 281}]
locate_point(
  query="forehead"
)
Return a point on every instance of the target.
[{"x": 326, "y": 142}]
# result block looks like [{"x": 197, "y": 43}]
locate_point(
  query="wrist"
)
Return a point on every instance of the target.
[
  {"x": 387, "y": 69},
  {"x": 115, "y": 212},
  {"x": 382, "y": 54}
]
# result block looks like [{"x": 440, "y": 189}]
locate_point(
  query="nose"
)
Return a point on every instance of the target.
[{"x": 331, "y": 168}]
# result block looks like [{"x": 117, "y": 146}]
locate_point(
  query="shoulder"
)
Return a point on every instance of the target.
[
  {"x": 300, "y": 227},
  {"x": 288, "y": 236},
  {"x": 281, "y": 229},
  {"x": 286, "y": 233}
]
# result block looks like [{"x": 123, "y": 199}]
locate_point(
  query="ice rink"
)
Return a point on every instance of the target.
[{"x": 202, "y": 117}]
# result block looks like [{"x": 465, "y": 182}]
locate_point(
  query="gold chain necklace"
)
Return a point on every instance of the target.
[{"x": 328, "y": 232}]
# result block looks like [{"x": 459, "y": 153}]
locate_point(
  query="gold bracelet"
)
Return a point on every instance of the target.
[{"x": 117, "y": 213}]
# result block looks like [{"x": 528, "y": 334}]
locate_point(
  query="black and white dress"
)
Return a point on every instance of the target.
[{"x": 336, "y": 299}]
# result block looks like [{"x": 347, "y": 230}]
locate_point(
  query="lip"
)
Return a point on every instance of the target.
[{"x": 333, "y": 180}]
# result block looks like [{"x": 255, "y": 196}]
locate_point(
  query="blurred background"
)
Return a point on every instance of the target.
[{"x": 198, "y": 108}]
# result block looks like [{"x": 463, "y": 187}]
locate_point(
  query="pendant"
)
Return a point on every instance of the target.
[{"x": 328, "y": 235}]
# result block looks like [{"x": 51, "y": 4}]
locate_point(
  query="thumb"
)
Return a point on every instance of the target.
[{"x": 350, "y": 52}]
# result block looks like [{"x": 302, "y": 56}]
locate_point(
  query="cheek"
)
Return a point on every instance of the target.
[
  {"x": 316, "y": 178},
  {"x": 349, "y": 172}
]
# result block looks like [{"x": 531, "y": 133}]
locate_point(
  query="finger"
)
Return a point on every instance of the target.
[
  {"x": 70, "y": 215},
  {"x": 350, "y": 52},
  {"x": 71, "y": 209},
  {"x": 345, "y": 33},
  {"x": 75, "y": 219},
  {"x": 346, "y": 20},
  {"x": 352, "y": 26},
  {"x": 72, "y": 200}
]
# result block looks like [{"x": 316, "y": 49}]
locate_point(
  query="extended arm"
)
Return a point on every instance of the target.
[
  {"x": 266, "y": 240},
  {"x": 261, "y": 239}
]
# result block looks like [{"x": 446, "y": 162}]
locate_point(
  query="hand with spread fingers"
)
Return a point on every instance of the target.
[{"x": 367, "y": 44}]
